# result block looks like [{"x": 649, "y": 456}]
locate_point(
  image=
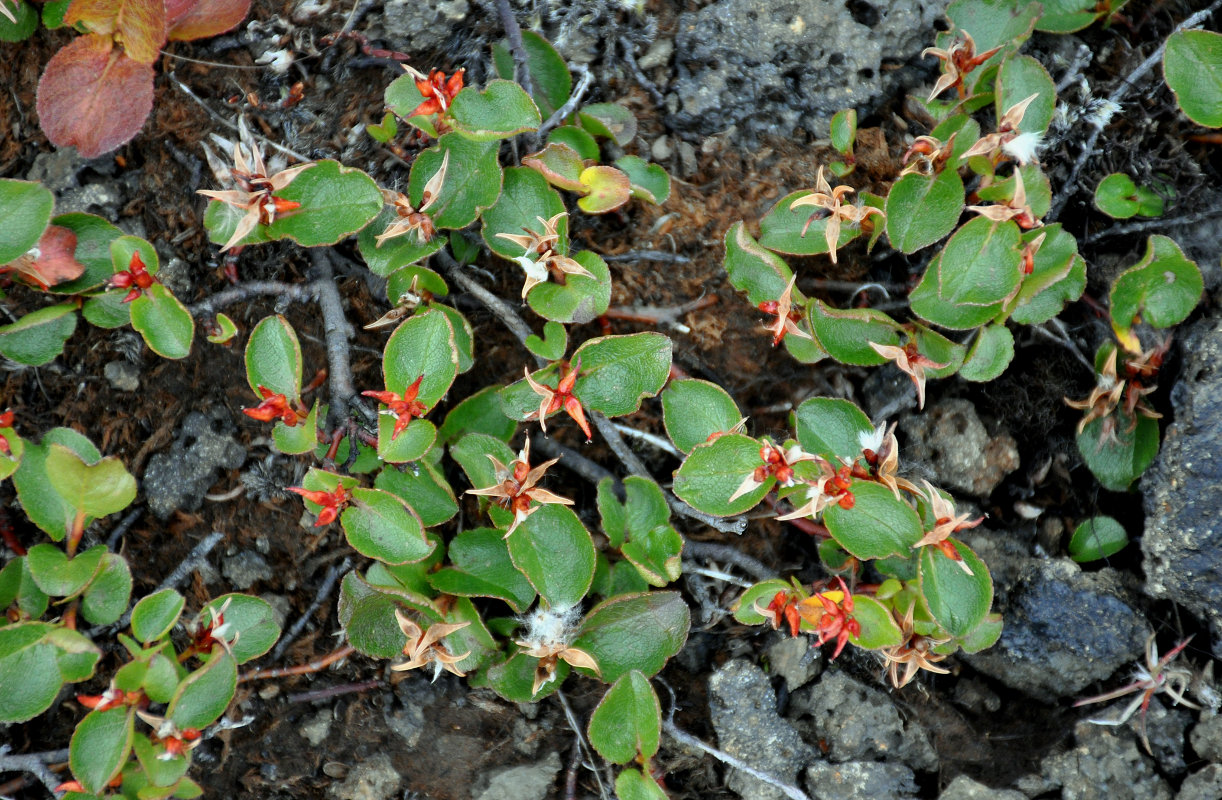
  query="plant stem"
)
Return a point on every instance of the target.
[
  {"x": 297, "y": 292},
  {"x": 793, "y": 792},
  {"x": 320, "y": 597},
  {"x": 318, "y": 665},
  {"x": 336, "y": 331}
]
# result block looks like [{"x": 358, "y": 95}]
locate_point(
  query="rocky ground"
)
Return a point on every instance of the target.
[{"x": 733, "y": 97}]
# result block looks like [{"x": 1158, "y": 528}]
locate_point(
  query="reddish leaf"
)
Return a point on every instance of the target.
[
  {"x": 54, "y": 262},
  {"x": 196, "y": 19},
  {"x": 92, "y": 96},
  {"x": 141, "y": 24}
]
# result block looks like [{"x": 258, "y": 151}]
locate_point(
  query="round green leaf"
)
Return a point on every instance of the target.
[
  {"x": 161, "y": 768},
  {"x": 1161, "y": 289},
  {"x": 754, "y": 269},
  {"x": 846, "y": 335},
  {"x": 981, "y": 265},
  {"x": 833, "y": 428},
  {"x": 205, "y": 694},
  {"x": 98, "y": 489},
  {"x": 1067, "y": 16},
  {"x": 781, "y": 229},
  {"x": 610, "y": 120},
  {"x": 580, "y": 299},
  {"x": 576, "y": 138},
  {"x": 649, "y": 181},
  {"x": 627, "y": 721},
  {"x": 402, "y": 97},
  {"x": 958, "y": 601},
  {"x": 656, "y": 554},
  {"x": 844, "y": 130},
  {"x": 28, "y": 671},
  {"x": 60, "y": 576},
  {"x": 502, "y": 110},
  {"x": 273, "y": 358},
  {"x": 422, "y": 345},
  {"x": 991, "y": 25},
  {"x": 1096, "y": 538},
  {"x": 1116, "y": 196},
  {"x": 161, "y": 680},
  {"x": 479, "y": 413},
  {"x": 714, "y": 471},
  {"x": 983, "y": 636},
  {"x": 551, "y": 82},
  {"x": 1058, "y": 276},
  {"x": 472, "y": 451},
  {"x": 878, "y": 626},
  {"x": 424, "y": 489},
  {"x": 163, "y": 321},
  {"x": 108, "y": 310},
  {"x": 17, "y": 585},
  {"x": 555, "y": 553},
  {"x": 1018, "y": 78},
  {"x": 411, "y": 444},
  {"x": 155, "y": 615},
  {"x": 124, "y": 248},
  {"x": 693, "y": 410},
  {"x": 250, "y": 619},
  {"x": 560, "y": 165},
  {"x": 876, "y": 526},
  {"x": 482, "y": 567},
  {"x": 634, "y": 632},
  {"x": 1118, "y": 450},
  {"x": 762, "y": 593},
  {"x": 100, "y": 746},
  {"x": 552, "y": 345},
  {"x": 380, "y": 525},
  {"x": 921, "y": 209},
  {"x": 25, "y": 206},
  {"x": 226, "y": 330},
  {"x": 1192, "y": 65},
  {"x": 40, "y": 501},
  {"x": 617, "y": 372},
  {"x": 525, "y": 200},
  {"x": 632, "y": 784},
  {"x": 38, "y": 337},
  {"x": 301, "y": 438},
  {"x": 991, "y": 353},
  {"x": 367, "y": 617},
  {"x": 473, "y": 179},
  {"x": 107, "y": 596}
]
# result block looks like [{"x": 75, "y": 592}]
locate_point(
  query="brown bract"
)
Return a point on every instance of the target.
[
  {"x": 425, "y": 647},
  {"x": 992, "y": 144},
  {"x": 549, "y": 655},
  {"x": 910, "y": 361},
  {"x": 832, "y": 201},
  {"x": 5, "y": 11},
  {"x": 1016, "y": 208},
  {"x": 413, "y": 220},
  {"x": 558, "y": 398},
  {"x": 915, "y": 652},
  {"x": 515, "y": 488},
  {"x": 786, "y": 317},
  {"x": 540, "y": 258},
  {"x": 957, "y": 61},
  {"x": 946, "y": 522}
]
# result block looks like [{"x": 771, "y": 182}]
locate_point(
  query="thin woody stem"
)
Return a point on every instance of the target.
[{"x": 317, "y": 665}]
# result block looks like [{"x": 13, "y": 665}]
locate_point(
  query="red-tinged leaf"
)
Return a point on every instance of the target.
[
  {"x": 92, "y": 96},
  {"x": 55, "y": 262},
  {"x": 199, "y": 19},
  {"x": 141, "y": 24}
]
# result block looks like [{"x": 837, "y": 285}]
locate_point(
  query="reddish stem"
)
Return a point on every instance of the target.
[{"x": 317, "y": 665}]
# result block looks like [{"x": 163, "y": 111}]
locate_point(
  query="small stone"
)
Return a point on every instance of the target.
[
  {"x": 1206, "y": 738},
  {"x": 245, "y": 569},
  {"x": 795, "y": 661},
  {"x": 316, "y": 727},
  {"x": 687, "y": 159},
  {"x": 658, "y": 54},
  {"x": 661, "y": 150},
  {"x": 408, "y": 723},
  {"x": 179, "y": 477},
  {"x": 280, "y": 606},
  {"x": 964, "y": 788},
  {"x": 858, "y": 780},
  {"x": 373, "y": 778},
  {"x": 1204, "y": 784},
  {"x": 123, "y": 375},
  {"x": 1106, "y": 764},
  {"x": 530, "y": 782},
  {"x": 951, "y": 439}
]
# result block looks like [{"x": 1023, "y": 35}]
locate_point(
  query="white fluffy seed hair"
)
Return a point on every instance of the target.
[{"x": 551, "y": 625}]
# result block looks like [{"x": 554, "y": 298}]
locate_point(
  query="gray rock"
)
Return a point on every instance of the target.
[
  {"x": 795, "y": 661},
  {"x": 1204, "y": 784},
  {"x": 373, "y": 778},
  {"x": 1182, "y": 491},
  {"x": 245, "y": 569},
  {"x": 1105, "y": 764},
  {"x": 1206, "y": 738},
  {"x": 530, "y": 782},
  {"x": 57, "y": 170},
  {"x": 316, "y": 728},
  {"x": 743, "y": 710},
  {"x": 774, "y": 67},
  {"x": 280, "y": 607},
  {"x": 860, "y": 723},
  {"x": 950, "y": 438},
  {"x": 858, "y": 780},
  {"x": 1064, "y": 630},
  {"x": 1165, "y": 728},
  {"x": 178, "y": 478},
  {"x": 102, "y": 197},
  {"x": 415, "y": 26},
  {"x": 123, "y": 375},
  {"x": 964, "y": 788}
]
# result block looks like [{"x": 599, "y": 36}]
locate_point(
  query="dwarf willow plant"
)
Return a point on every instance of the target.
[{"x": 138, "y": 734}]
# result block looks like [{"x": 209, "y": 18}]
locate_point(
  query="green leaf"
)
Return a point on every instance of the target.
[
  {"x": 1118, "y": 449},
  {"x": 968, "y": 283},
  {"x": 396, "y": 252},
  {"x": 846, "y": 335},
  {"x": 97, "y": 489},
  {"x": 762, "y": 593},
  {"x": 163, "y": 321},
  {"x": 878, "y": 626},
  {"x": 1120, "y": 198},
  {"x": 40, "y": 501},
  {"x": 107, "y": 310},
  {"x": 93, "y": 238},
  {"x": 17, "y": 585},
  {"x": 1097, "y": 538},
  {"x": 156, "y": 614},
  {"x": 107, "y": 596},
  {"x": 1035, "y": 183},
  {"x": 579, "y": 299},
  {"x": 77, "y": 656},
  {"x": 60, "y": 576},
  {"x": 273, "y": 358},
  {"x": 162, "y": 769},
  {"x": 991, "y": 353},
  {"x": 424, "y": 489},
  {"x": 693, "y": 410},
  {"x": 525, "y": 202},
  {"x": 513, "y": 679},
  {"x": 472, "y": 451},
  {"x": 609, "y": 120},
  {"x": 225, "y": 330},
  {"x": 1058, "y": 276},
  {"x": 958, "y": 601},
  {"x": 844, "y": 131},
  {"x": 28, "y": 671},
  {"x": 754, "y": 269},
  {"x": 712, "y": 472},
  {"x": 482, "y": 567},
  {"x": 877, "y": 526},
  {"x": 1192, "y": 65},
  {"x": 299, "y": 439},
  {"x": 649, "y": 181},
  {"x": 380, "y": 525},
  {"x": 422, "y": 345},
  {"x": 161, "y": 680},
  {"x": 634, "y": 632},
  {"x": 38, "y": 337},
  {"x": 627, "y": 721},
  {"x": 560, "y": 165},
  {"x": 1161, "y": 289},
  {"x": 1018, "y": 78},
  {"x": 921, "y": 209},
  {"x": 782, "y": 227},
  {"x": 553, "y": 344},
  {"x": 502, "y": 110},
  {"x": 833, "y": 428},
  {"x": 1067, "y": 16},
  {"x": 576, "y": 138},
  {"x": 251, "y": 620},
  {"x": 402, "y": 97},
  {"x": 617, "y": 372},
  {"x": 657, "y": 555},
  {"x": 983, "y": 636},
  {"x": 631, "y": 784},
  {"x": 25, "y": 206},
  {"x": 604, "y": 189},
  {"x": 555, "y": 553},
  {"x": 100, "y": 746},
  {"x": 550, "y": 80},
  {"x": 23, "y": 28},
  {"x": 473, "y": 179},
  {"x": 475, "y": 639},
  {"x": 205, "y": 694},
  {"x": 480, "y": 413}
]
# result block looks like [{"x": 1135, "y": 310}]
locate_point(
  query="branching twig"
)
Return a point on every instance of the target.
[
  {"x": 649, "y": 438},
  {"x": 297, "y": 292},
  {"x": 570, "y": 458},
  {"x": 630, "y": 59},
  {"x": 324, "y": 591},
  {"x": 1061, "y": 337},
  {"x": 661, "y": 256},
  {"x": 669, "y": 728},
  {"x": 34, "y": 763},
  {"x": 1152, "y": 225},
  {"x": 334, "y": 691},
  {"x": 318, "y": 665},
  {"x": 336, "y": 330},
  {"x": 570, "y": 105},
  {"x": 490, "y": 301},
  {"x": 661, "y": 315},
  {"x": 1115, "y": 98},
  {"x": 231, "y": 126},
  {"x": 514, "y": 34},
  {"x": 724, "y": 553},
  {"x": 581, "y": 739},
  {"x": 123, "y": 527}
]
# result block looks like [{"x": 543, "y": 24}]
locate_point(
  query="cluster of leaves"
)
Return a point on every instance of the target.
[
  {"x": 1002, "y": 265},
  {"x": 97, "y": 91},
  {"x": 64, "y": 484}
]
